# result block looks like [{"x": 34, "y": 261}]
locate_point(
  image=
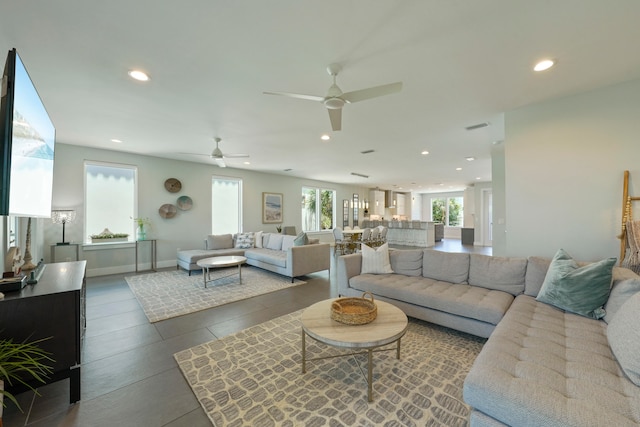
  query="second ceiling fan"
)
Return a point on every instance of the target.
[{"x": 335, "y": 98}]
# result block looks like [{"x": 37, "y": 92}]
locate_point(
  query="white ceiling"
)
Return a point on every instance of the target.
[{"x": 462, "y": 62}]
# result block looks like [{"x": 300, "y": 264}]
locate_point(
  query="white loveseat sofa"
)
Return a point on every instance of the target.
[{"x": 291, "y": 256}]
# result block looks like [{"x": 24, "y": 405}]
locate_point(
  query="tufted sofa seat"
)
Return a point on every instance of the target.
[{"x": 545, "y": 367}]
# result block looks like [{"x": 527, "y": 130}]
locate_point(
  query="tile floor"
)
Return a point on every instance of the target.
[{"x": 129, "y": 376}]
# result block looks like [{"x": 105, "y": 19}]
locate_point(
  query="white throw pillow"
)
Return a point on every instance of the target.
[
  {"x": 287, "y": 242},
  {"x": 258, "y": 239},
  {"x": 275, "y": 242},
  {"x": 375, "y": 261}
]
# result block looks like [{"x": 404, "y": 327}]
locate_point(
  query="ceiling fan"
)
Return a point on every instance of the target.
[
  {"x": 335, "y": 98},
  {"x": 219, "y": 157}
]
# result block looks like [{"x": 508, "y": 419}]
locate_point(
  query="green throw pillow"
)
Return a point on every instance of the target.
[
  {"x": 301, "y": 240},
  {"x": 580, "y": 290}
]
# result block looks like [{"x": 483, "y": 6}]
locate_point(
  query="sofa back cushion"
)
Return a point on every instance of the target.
[
  {"x": 274, "y": 242},
  {"x": 407, "y": 262},
  {"x": 536, "y": 271},
  {"x": 445, "y": 266},
  {"x": 258, "y": 239},
  {"x": 623, "y": 334},
  {"x": 499, "y": 273},
  {"x": 219, "y": 241},
  {"x": 626, "y": 283},
  {"x": 287, "y": 242}
]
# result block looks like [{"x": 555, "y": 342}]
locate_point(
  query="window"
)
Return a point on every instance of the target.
[
  {"x": 110, "y": 198},
  {"x": 448, "y": 210},
  {"x": 318, "y": 216},
  {"x": 226, "y": 205}
]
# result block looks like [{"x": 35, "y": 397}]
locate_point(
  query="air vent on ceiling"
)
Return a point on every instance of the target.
[
  {"x": 367, "y": 151},
  {"x": 478, "y": 126},
  {"x": 288, "y": 170},
  {"x": 360, "y": 174}
]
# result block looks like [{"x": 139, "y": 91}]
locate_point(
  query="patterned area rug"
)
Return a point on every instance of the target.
[
  {"x": 174, "y": 293},
  {"x": 254, "y": 378}
]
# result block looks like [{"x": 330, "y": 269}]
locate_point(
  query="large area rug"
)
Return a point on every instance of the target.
[
  {"x": 174, "y": 293},
  {"x": 254, "y": 378}
]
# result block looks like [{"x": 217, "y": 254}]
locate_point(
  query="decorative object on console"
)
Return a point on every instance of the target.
[
  {"x": 63, "y": 216},
  {"x": 28, "y": 265},
  {"x": 107, "y": 236},
  {"x": 167, "y": 211},
  {"x": 141, "y": 222},
  {"x": 184, "y": 203},
  {"x": 271, "y": 208},
  {"x": 172, "y": 185}
]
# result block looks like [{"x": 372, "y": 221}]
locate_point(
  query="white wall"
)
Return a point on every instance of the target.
[
  {"x": 564, "y": 165},
  {"x": 187, "y": 229}
]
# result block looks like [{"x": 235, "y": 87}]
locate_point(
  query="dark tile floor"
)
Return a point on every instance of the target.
[{"x": 129, "y": 376}]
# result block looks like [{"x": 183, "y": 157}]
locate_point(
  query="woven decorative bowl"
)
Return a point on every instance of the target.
[{"x": 354, "y": 311}]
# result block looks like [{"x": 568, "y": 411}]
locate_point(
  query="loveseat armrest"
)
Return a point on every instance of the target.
[
  {"x": 348, "y": 266},
  {"x": 307, "y": 259}
]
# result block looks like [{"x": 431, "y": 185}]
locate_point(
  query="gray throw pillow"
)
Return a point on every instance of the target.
[
  {"x": 623, "y": 334},
  {"x": 220, "y": 241},
  {"x": 580, "y": 290},
  {"x": 301, "y": 240}
]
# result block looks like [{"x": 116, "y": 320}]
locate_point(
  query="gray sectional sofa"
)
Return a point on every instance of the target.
[
  {"x": 280, "y": 254},
  {"x": 541, "y": 366}
]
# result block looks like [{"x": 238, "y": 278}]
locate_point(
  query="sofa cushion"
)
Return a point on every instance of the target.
[
  {"x": 287, "y": 242},
  {"x": 407, "y": 262},
  {"x": 445, "y": 266},
  {"x": 274, "y": 242},
  {"x": 267, "y": 256},
  {"x": 625, "y": 284},
  {"x": 499, "y": 273},
  {"x": 623, "y": 334},
  {"x": 219, "y": 241},
  {"x": 258, "y": 239},
  {"x": 245, "y": 240},
  {"x": 534, "y": 277},
  {"x": 301, "y": 239},
  {"x": 545, "y": 367},
  {"x": 375, "y": 261},
  {"x": 580, "y": 290},
  {"x": 481, "y": 304}
]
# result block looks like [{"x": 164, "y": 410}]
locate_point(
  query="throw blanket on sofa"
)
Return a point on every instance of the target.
[{"x": 632, "y": 257}]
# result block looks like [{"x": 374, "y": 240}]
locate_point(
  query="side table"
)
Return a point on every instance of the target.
[{"x": 153, "y": 253}]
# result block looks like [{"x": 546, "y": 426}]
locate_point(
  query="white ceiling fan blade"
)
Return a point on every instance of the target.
[
  {"x": 235, "y": 156},
  {"x": 220, "y": 162},
  {"x": 297, "y": 95},
  {"x": 336, "y": 119},
  {"x": 372, "y": 92}
]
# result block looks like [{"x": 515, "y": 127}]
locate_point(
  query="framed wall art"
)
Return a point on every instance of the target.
[{"x": 271, "y": 208}]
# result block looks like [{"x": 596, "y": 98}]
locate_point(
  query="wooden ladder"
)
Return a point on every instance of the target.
[{"x": 627, "y": 214}]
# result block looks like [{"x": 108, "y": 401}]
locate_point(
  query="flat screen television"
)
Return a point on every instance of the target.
[{"x": 27, "y": 140}]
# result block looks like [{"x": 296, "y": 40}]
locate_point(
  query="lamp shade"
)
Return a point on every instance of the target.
[{"x": 63, "y": 216}]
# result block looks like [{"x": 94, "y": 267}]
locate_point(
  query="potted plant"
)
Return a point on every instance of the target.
[
  {"x": 108, "y": 236},
  {"x": 141, "y": 222},
  {"x": 19, "y": 363}
]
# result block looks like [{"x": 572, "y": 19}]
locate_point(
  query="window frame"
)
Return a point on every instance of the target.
[
  {"x": 318, "y": 208},
  {"x": 240, "y": 183}
]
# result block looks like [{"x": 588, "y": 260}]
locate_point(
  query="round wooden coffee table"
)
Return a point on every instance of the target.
[
  {"x": 219, "y": 262},
  {"x": 389, "y": 326}
]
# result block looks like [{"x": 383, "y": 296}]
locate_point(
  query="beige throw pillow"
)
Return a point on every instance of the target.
[{"x": 375, "y": 261}]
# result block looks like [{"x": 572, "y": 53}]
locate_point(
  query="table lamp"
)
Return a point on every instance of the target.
[{"x": 63, "y": 217}]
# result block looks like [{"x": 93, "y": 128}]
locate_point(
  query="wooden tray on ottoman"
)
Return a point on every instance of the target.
[{"x": 354, "y": 311}]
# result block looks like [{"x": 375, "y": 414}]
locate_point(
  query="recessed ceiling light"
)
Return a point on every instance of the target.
[
  {"x": 118, "y": 141},
  {"x": 458, "y": 169},
  {"x": 545, "y": 64},
  {"x": 469, "y": 159},
  {"x": 139, "y": 75},
  {"x": 478, "y": 178},
  {"x": 247, "y": 163},
  {"x": 424, "y": 153},
  {"x": 325, "y": 137}
]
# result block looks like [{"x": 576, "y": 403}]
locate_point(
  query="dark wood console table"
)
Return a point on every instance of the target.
[{"x": 54, "y": 307}]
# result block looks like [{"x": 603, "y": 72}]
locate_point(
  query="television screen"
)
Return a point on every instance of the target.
[{"x": 28, "y": 140}]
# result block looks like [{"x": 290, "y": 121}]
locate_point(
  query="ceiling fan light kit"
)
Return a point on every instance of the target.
[{"x": 336, "y": 99}]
